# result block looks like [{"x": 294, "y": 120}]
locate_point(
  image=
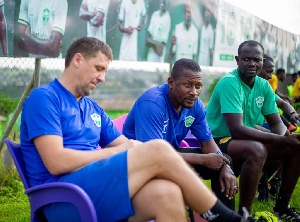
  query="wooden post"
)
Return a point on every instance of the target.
[{"x": 34, "y": 82}]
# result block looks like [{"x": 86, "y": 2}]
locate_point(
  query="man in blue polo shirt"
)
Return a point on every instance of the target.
[
  {"x": 238, "y": 100},
  {"x": 60, "y": 133},
  {"x": 169, "y": 111}
]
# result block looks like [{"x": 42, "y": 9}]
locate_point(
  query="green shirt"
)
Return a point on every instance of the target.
[{"x": 232, "y": 95}]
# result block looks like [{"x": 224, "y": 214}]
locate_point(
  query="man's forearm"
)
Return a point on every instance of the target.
[
  {"x": 150, "y": 42},
  {"x": 248, "y": 133},
  {"x": 193, "y": 158},
  {"x": 48, "y": 47},
  {"x": 86, "y": 15}
]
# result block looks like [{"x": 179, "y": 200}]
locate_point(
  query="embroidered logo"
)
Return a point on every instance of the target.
[
  {"x": 259, "y": 101},
  {"x": 165, "y": 125},
  {"x": 97, "y": 119},
  {"x": 46, "y": 15},
  {"x": 189, "y": 121}
]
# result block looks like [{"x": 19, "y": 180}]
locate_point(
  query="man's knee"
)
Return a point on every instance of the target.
[
  {"x": 247, "y": 150},
  {"x": 166, "y": 191},
  {"x": 161, "y": 150},
  {"x": 257, "y": 152}
]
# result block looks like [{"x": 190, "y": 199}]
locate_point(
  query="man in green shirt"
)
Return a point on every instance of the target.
[{"x": 232, "y": 112}]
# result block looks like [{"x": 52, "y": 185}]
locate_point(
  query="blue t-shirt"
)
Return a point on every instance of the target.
[
  {"x": 154, "y": 117},
  {"x": 53, "y": 110}
]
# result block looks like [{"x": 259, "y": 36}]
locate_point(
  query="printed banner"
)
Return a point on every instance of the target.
[{"x": 208, "y": 31}]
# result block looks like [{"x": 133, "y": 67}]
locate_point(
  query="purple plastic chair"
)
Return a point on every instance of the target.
[
  {"x": 191, "y": 140},
  {"x": 51, "y": 192}
]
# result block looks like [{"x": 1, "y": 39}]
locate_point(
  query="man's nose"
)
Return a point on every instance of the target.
[
  {"x": 251, "y": 62},
  {"x": 194, "y": 91},
  {"x": 101, "y": 77}
]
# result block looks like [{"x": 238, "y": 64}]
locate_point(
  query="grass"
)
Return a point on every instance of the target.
[{"x": 14, "y": 204}]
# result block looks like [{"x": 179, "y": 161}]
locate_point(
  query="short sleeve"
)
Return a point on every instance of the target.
[
  {"x": 60, "y": 16},
  {"x": 211, "y": 38},
  {"x": 195, "y": 43},
  {"x": 103, "y": 6},
  {"x": 230, "y": 96},
  {"x": 149, "y": 118},
  {"x": 167, "y": 29},
  {"x": 151, "y": 25},
  {"x": 175, "y": 34},
  {"x": 276, "y": 97},
  {"x": 42, "y": 114},
  {"x": 143, "y": 8},
  {"x": 122, "y": 11},
  {"x": 23, "y": 15},
  {"x": 109, "y": 132},
  {"x": 269, "y": 106},
  {"x": 200, "y": 128}
]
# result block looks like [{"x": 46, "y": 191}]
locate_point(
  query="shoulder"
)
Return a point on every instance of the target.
[
  {"x": 93, "y": 104},
  {"x": 264, "y": 85},
  {"x": 231, "y": 77},
  {"x": 262, "y": 82},
  {"x": 199, "y": 107},
  {"x": 155, "y": 14},
  {"x": 60, "y": 3},
  {"x": 47, "y": 90},
  {"x": 155, "y": 95},
  {"x": 167, "y": 14},
  {"x": 179, "y": 25},
  {"x": 193, "y": 27}
]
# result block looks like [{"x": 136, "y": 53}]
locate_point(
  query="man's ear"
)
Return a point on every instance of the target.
[
  {"x": 77, "y": 60},
  {"x": 171, "y": 82},
  {"x": 237, "y": 59}
]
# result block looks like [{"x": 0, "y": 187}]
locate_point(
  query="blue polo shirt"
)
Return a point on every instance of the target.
[
  {"x": 53, "y": 110},
  {"x": 154, "y": 117}
]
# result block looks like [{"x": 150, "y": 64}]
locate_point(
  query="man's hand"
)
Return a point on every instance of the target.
[
  {"x": 294, "y": 117},
  {"x": 173, "y": 41},
  {"x": 159, "y": 47},
  {"x": 293, "y": 141},
  {"x": 129, "y": 30},
  {"x": 139, "y": 27},
  {"x": 84, "y": 7},
  {"x": 128, "y": 144},
  {"x": 214, "y": 161},
  {"x": 228, "y": 182}
]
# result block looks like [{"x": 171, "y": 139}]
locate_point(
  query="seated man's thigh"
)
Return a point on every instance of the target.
[
  {"x": 243, "y": 150},
  {"x": 106, "y": 183}
]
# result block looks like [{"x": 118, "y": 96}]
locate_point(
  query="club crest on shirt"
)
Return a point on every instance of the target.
[
  {"x": 188, "y": 121},
  {"x": 97, "y": 119},
  {"x": 46, "y": 15},
  {"x": 259, "y": 101}
]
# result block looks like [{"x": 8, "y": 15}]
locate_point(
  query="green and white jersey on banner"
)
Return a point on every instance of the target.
[
  {"x": 43, "y": 17},
  {"x": 131, "y": 13},
  {"x": 159, "y": 29},
  {"x": 232, "y": 95},
  {"x": 206, "y": 43},
  {"x": 97, "y": 6},
  {"x": 186, "y": 41}
]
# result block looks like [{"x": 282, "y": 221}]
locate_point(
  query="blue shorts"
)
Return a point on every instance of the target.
[{"x": 106, "y": 182}]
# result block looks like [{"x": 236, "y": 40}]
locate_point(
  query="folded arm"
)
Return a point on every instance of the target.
[
  {"x": 60, "y": 160},
  {"x": 32, "y": 44},
  {"x": 277, "y": 136}
]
